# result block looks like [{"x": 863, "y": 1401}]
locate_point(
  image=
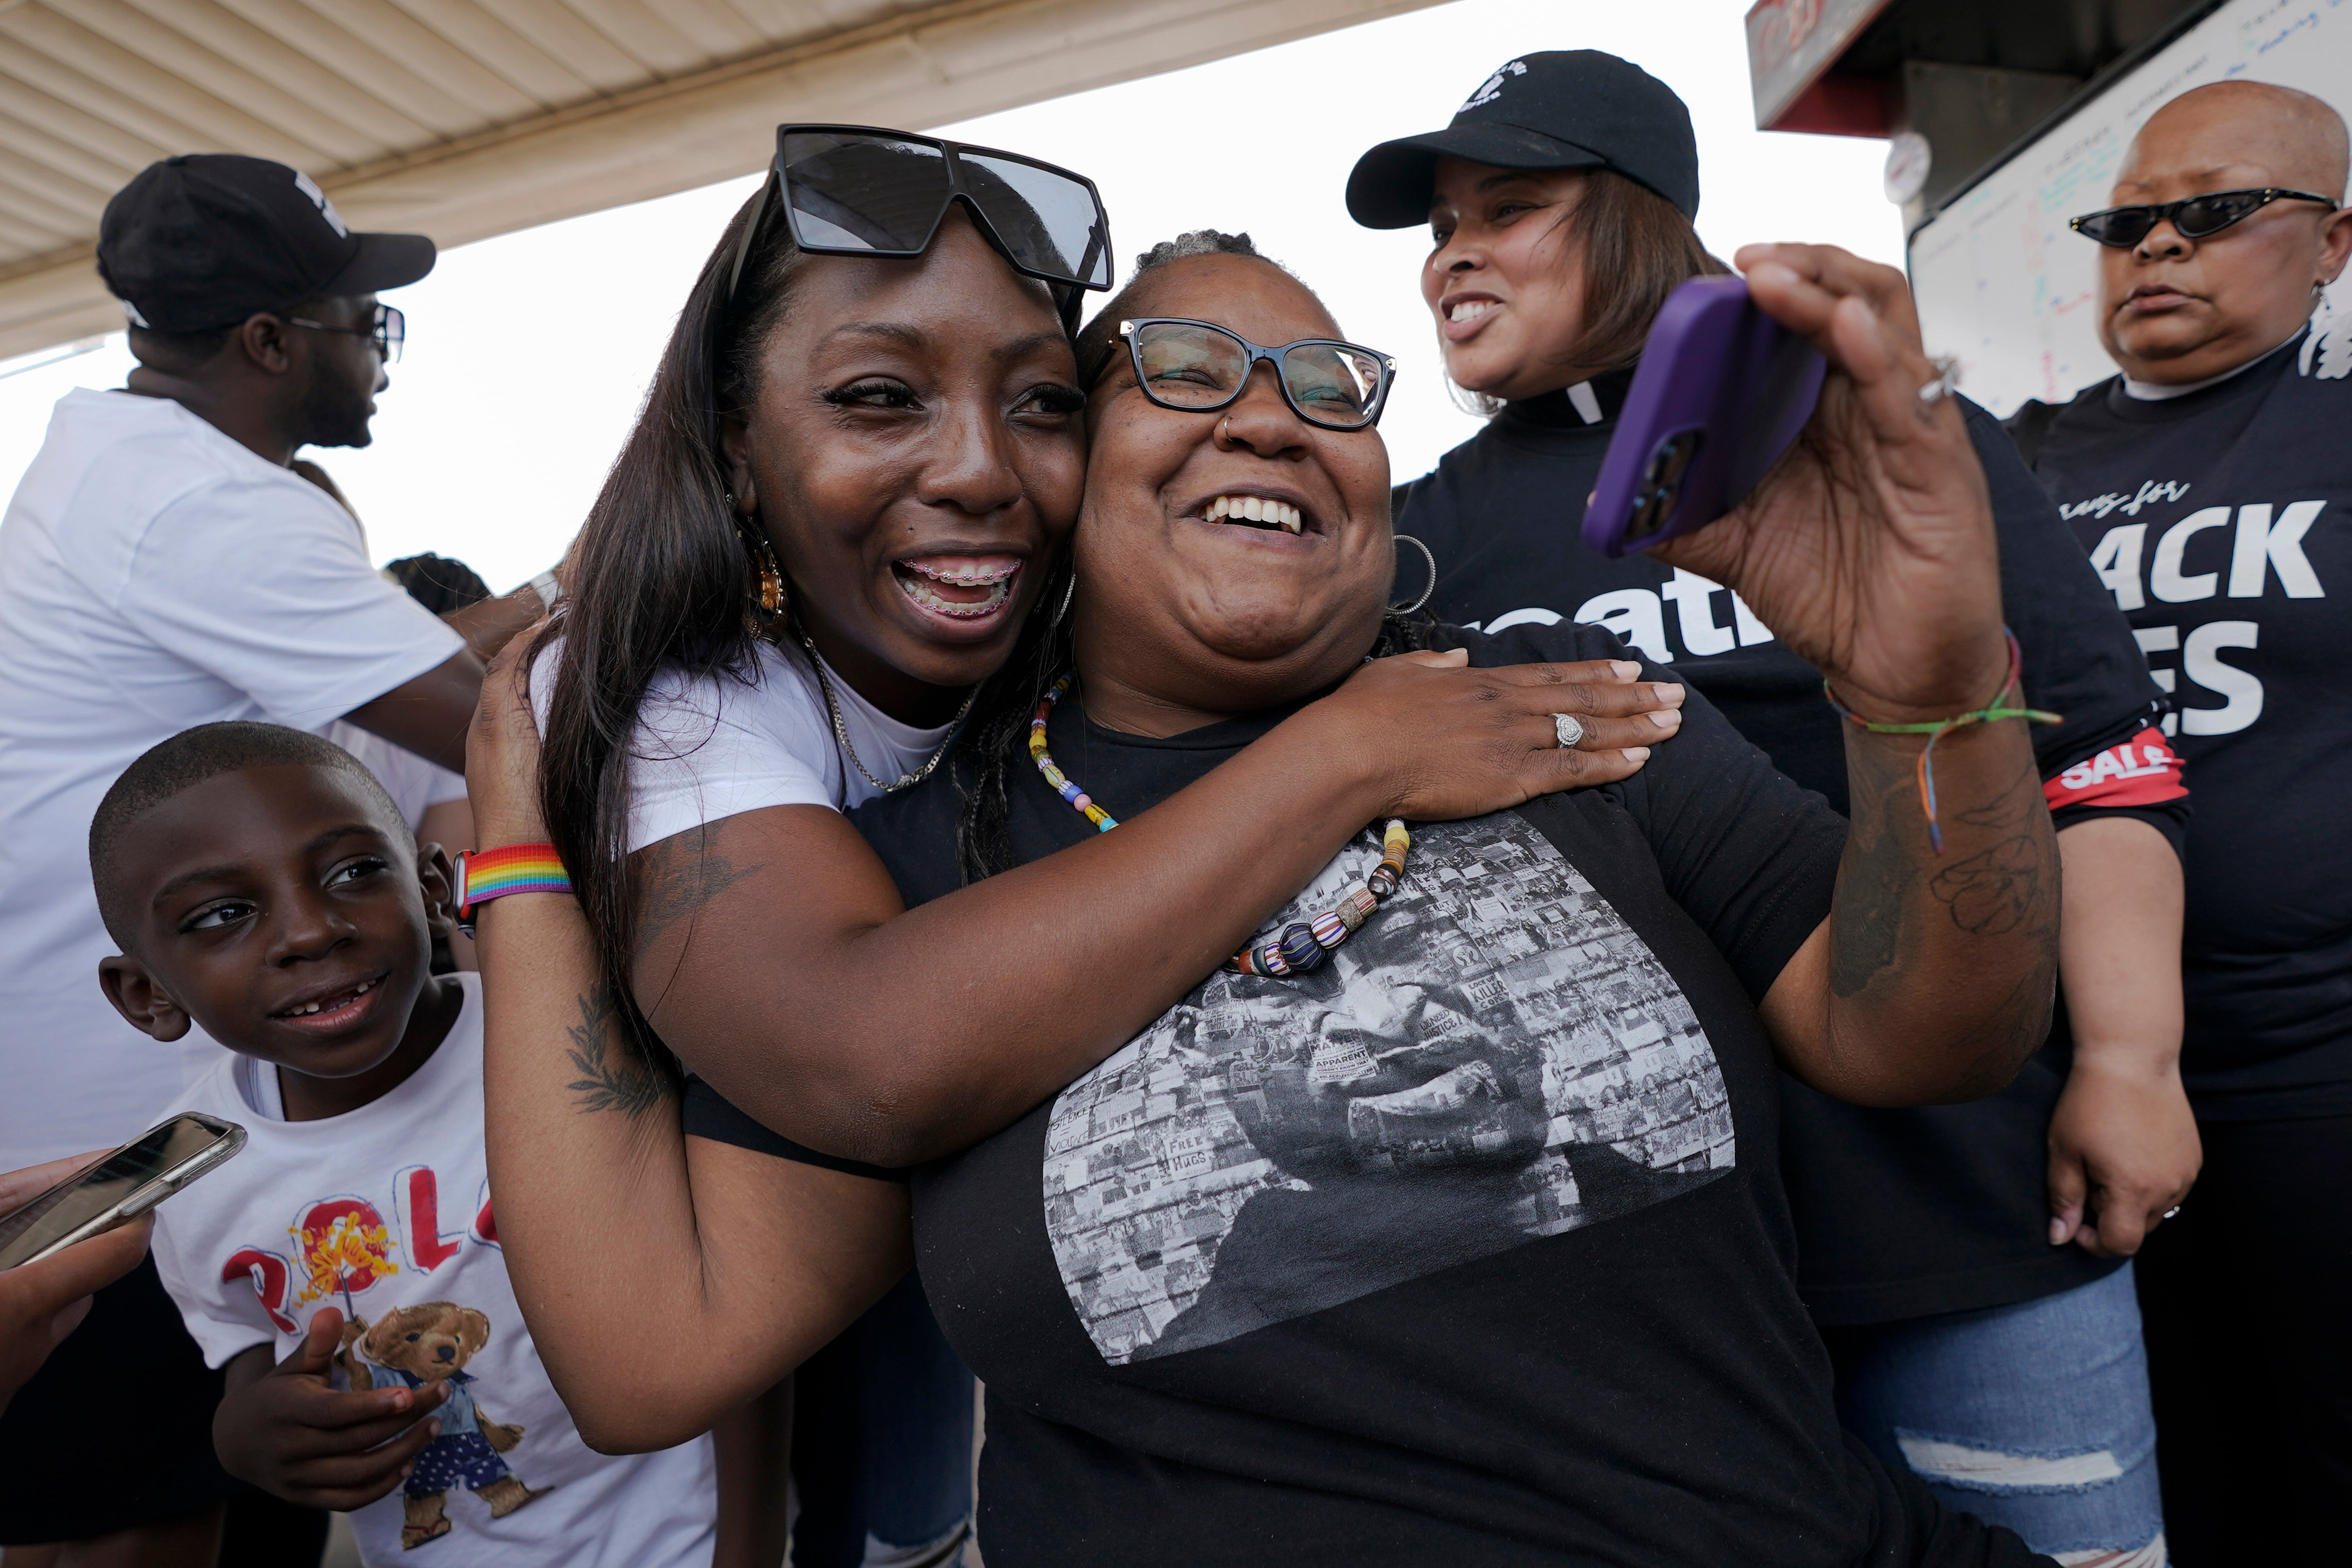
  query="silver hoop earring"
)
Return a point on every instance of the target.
[
  {"x": 1431, "y": 557},
  {"x": 1069, "y": 592}
]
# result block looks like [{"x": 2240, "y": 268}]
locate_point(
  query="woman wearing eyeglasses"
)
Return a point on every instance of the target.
[
  {"x": 843, "y": 507},
  {"x": 2209, "y": 483},
  {"x": 1966, "y": 1263},
  {"x": 1440, "y": 1221}
]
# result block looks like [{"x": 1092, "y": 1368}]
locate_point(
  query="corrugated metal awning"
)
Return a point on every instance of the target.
[{"x": 463, "y": 119}]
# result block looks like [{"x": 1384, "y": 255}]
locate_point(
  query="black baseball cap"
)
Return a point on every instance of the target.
[
  {"x": 206, "y": 239},
  {"x": 1563, "y": 109}
]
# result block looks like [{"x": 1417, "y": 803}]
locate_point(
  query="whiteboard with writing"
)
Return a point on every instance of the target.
[{"x": 2008, "y": 290}]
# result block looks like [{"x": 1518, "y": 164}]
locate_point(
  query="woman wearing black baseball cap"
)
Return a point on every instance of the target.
[{"x": 1977, "y": 1338}]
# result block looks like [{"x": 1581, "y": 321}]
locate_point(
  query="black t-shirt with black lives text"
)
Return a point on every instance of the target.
[
  {"x": 1469, "y": 1246},
  {"x": 1899, "y": 1214},
  {"x": 2222, "y": 522}
]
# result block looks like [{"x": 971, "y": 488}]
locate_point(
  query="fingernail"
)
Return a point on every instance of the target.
[
  {"x": 1637, "y": 753},
  {"x": 1771, "y": 272},
  {"x": 1667, "y": 718},
  {"x": 1666, "y": 693},
  {"x": 2059, "y": 1231},
  {"x": 1623, "y": 669}
]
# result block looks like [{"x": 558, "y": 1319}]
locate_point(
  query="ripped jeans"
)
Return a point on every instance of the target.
[{"x": 2034, "y": 1415}]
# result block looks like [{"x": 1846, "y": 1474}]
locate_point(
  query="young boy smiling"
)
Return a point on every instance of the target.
[{"x": 264, "y": 889}]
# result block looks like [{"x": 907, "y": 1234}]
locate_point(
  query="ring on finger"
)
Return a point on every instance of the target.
[
  {"x": 1947, "y": 375},
  {"x": 1569, "y": 729}
]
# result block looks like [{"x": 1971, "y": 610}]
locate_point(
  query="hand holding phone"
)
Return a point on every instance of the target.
[
  {"x": 289, "y": 1431},
  {"x": 41, "y": 1303},
  {"x": 105, "y": 1192},
  {"x": 1722, "y": 391}
]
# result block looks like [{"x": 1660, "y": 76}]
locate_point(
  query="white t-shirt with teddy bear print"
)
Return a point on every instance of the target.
[{"x": 385, "y": 1213}]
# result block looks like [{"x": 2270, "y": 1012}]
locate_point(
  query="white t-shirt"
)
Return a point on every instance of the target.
[
  {"x": 154, "y": 575},
  {"x": 416, "y": 785},
  {"x": 391, "y": 1204},
  {"x": 716, "y": 747}
]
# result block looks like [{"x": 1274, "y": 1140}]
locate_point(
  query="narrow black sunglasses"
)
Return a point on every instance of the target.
[
  {"x": 2193, "y": 217},
  {"x": 389, "y": 330},
  {"x": 865, "y": 190},
  {"x": 1197, "y": 367}
]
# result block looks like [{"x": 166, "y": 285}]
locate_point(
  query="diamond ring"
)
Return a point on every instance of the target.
[{"x": 1569, "y": 728}]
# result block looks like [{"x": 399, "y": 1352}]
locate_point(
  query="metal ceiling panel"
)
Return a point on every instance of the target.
[{"x": 463, "y": 119}]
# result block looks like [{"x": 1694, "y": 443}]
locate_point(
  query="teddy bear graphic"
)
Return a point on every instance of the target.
[{"x": 431, "y": 1342}]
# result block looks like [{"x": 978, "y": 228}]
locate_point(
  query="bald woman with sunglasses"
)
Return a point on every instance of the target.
[{"x": 2209, "y": 481}]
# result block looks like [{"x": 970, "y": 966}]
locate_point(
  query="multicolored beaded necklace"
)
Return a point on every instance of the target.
[{"x": 1297, "y": 948}]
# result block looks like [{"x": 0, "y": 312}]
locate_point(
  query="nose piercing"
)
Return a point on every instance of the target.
[{"x": 1225, "y": 430}]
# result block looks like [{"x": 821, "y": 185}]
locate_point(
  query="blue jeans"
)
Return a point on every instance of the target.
[
  {"x": 882, "y": 1427},
  {"x": 2034, "y": 1415}
]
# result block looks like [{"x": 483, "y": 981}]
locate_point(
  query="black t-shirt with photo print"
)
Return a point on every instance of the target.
[
  {"x": 1468, "y": 1246},
  {"x": 2218, "y": 522},
  {"x": 1899, "y": 1214}
]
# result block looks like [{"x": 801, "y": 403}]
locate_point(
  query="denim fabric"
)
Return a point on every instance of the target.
[
  {"x": 2034, "y": 1415},
  {"x": 882, "y": 1441}
]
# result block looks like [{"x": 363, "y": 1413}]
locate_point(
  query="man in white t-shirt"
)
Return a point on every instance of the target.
[
  {"x": 345, "y": 1266},
  {"x": 161, "y": 566}
]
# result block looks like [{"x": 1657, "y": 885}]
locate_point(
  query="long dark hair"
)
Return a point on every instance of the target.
[
  {"x": 664, "y": 582},
  {"x": 662, "y": 575}
]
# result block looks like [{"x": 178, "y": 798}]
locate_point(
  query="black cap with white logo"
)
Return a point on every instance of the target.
[
  {"x": 206, "y": 239},
  {"x": 1565, "y": 108}
]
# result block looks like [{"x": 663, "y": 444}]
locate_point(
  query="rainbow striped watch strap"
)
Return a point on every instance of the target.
[{"x": 486, "y": 874}]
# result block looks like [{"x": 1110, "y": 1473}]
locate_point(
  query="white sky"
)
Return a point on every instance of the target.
[{"x": 528, "y": 354}]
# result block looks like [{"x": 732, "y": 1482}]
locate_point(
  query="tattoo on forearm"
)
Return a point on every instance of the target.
[
  {"x": 1869, "y": 910},
  {"x": 675, "y": 881},
  {"x": 609, "y": 1078},
  {"x": 1867, "y": 921}
]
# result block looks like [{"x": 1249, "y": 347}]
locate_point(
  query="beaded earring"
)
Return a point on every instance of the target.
[{"x": 1069, "y": 592}]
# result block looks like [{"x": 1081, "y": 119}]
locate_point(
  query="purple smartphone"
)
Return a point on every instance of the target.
[{"x": 1722, "y": 391}]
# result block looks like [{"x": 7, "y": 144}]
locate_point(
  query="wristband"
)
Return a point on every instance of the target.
[
  {"x": 1937, "y": 729},
  {"x": 486, "y": 874}
]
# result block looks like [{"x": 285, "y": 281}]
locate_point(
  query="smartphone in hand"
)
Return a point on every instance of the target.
[
  {"x": 1722, "y": 391},
  {"x": 118, "y": 1187}
]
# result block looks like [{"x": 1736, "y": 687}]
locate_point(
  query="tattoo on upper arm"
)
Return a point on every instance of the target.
[
  {"x": 677, "y": 880},
  {"x": 610, "y": 1078}
]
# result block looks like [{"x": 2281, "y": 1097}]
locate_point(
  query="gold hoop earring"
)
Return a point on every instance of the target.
[{"x": 771, "y": 590}]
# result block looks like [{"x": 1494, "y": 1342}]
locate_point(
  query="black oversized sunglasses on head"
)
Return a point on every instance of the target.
[
  {"x": 862, "y": 190},
  {"x": 2193, "y": 217},
  {"x": 1196, "y": 368}
]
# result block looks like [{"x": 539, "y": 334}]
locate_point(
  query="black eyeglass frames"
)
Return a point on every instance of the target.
[
  {"x": 389, "y": 330},
  {"x": 2193, "y": 217},
  {"x": 1196, "y": 368},
  {"x": 863, "y": 190}
]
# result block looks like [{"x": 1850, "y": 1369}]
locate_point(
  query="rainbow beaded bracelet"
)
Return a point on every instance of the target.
[
  {"x": 1298, "y": 947},
  {"x": 485, "y": 874}
]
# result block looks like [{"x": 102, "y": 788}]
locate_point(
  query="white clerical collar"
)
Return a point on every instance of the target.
[{"x": 2155, "y": 392}]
